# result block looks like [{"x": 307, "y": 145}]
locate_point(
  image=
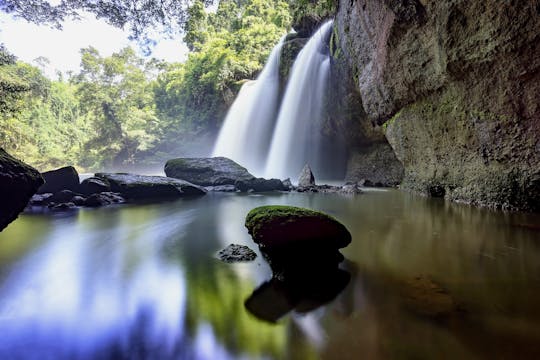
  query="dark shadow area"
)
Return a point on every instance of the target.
[{"x": 277, "y": 297}]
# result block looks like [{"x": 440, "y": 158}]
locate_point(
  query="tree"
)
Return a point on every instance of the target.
[{"x": 140, "y": 17}]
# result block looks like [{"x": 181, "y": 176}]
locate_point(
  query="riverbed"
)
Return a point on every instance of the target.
[{"x": 426, "y": 279}]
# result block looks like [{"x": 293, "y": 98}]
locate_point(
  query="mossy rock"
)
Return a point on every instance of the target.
[{"x": 281, "y": 226}]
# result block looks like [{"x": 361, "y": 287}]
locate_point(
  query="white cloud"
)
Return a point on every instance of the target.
[{"x": 29, "y": 41}]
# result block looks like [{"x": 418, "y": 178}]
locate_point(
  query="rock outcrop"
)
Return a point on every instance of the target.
[
  {"x": 18, "y": 182},
  {"x": 454, "y": 84},
  {"x": 65, "y": 178},
  {"x": 137, "y": 187},
  {"x": 306, "y": 178},
  {"x": 207, "y": 171}
]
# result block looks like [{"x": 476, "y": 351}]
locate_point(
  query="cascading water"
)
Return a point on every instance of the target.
[
  {"x": 246, "y": 132},
  {"x": 296, "y": 139}
]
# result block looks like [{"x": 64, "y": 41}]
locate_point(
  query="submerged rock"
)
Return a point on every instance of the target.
[
  {"x": 150, "y": 187},
  {"x": 62, "y": 196},
  {"x": 425, "y": 297},
  {"x": 18, "y": 182},
  {"x": 65, "y": 178},
  {"x": 306, "y": 178},
  {"x": 207, "y": 171},
  {"x": 236, "y": 253}
]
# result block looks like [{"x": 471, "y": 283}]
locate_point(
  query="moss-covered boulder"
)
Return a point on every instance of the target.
[
  {"x": 18, "y": 182},
  {"x": 277, "y": 225},
  {"x": 134, "y": 186},
  {"x": 297, "y": 242},
  {"x": 65, "y": 178}
]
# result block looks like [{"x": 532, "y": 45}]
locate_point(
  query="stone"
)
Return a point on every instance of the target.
[
  {"x": 61, "y": 206},
  {"x": 221, "y": 188},
  {"x": 94, "y": 185},
  {"x": 40, "y": 199},
  {"x": 236, "y": 253},
  {"x": 18, "y": 182},
  {"x": 276, "y": 225},
  {"x": 207, "y": 171},
  {"x": 62, "y": 196},
  {"x": 306, "y": 178},
  {"x": 136, "y": 187},
  {"x": 288, "y": 184},
  {"x": 65, "y": 178},
  {"x": 102, "y": 199},
  {"x": 260, "y": 185}
]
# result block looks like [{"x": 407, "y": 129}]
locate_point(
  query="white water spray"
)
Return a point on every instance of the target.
[
  {"x": 246, "y": 132},
  {"x": 297, "y": 134}
]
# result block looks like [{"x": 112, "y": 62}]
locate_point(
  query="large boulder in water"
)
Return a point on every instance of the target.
[
  {"x": 150, "y": 187},
  {"x": 260, "y": 185},
  {"x": 278, "y": 225},
  {"x": 306, "y": 178},
  {"x": 65, "y": 178},
  {"x": 297, "y": 242},
  {"x": 207, "y": 171},
  {"x": 18, "y": 182},
  {"x": 94, "y": 185}
]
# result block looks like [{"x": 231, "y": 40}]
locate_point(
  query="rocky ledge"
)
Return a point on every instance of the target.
[{"x": 18, "y": 182}]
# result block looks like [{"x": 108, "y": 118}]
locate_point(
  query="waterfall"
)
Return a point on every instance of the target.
[
  {"x": 245, "y": 134},
  {"x": 297, "y": 136}
]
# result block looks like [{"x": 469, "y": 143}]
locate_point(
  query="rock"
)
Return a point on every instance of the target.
[
  {"x": 18, "y": 182},
  {"x": 207, "y": 171},
  {"x": 94, "y": 185},
  {"x": 78, "y": 200},
  {"x": 350, "y": 190},
  {"x": 61, "y": 206},
  {"x": 375, "y": 164},
  {"x": 275, "y": 226},
  {"x": 102, "y": 199},
  {"x": 453, "y": 86},
  {"x": 65, "y": 178},
  {"x": 306, "y": 178},
  {"x": 288, "y": 184},
  {"x": 236, "y": 253},
  {"x": 260, "y": 185},
  {"x": 221, "y": 188},
  {"x": 40, "y": 199},
  {"x": 62, "y": 196},
  {"x": 150, "y": 187}
]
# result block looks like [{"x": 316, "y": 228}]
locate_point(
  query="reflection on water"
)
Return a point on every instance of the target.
[{"x": 142, "y": 282}]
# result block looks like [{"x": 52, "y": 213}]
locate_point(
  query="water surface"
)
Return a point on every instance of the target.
[{"x": 142, "y": 282}]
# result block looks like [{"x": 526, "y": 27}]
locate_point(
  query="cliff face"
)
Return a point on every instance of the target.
[{"x": 455, "y": 86}]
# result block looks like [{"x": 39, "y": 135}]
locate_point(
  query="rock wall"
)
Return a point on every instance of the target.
[
  {"x": 455, "y": 86},
  {"x": 18, "y": 182}
]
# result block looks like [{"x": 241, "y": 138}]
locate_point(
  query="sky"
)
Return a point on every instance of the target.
[{"x": 29, "y": 41}]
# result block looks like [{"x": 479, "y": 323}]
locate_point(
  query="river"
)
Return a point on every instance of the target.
[{"x": 427, "y": 280}]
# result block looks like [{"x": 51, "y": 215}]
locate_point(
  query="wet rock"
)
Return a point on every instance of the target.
[
  {"x": 78, "y": 200},
  {"x": 103, "y": 199},
  {"x": 150, "y": 187},
  {"x": 18, "y": 182},
  {"x": 260, "y": 185},
  {"x": 274, "y": 226},
  {"x": 61, "y": 206},
  {"x": 288, "y": 184},
  {"x": 40, "y": 199},
  {"x": 65, "y": 178},
  {"x": 306, "y": 178},
  {"x": 94, "y": 185},
  {"x": 297, "y": 241},
  {"x": 221, "y": 188},
  {"x": 236, "y": 253},
  {"x": 62, "y": 196},
  {"x": 207, "y": 171}
]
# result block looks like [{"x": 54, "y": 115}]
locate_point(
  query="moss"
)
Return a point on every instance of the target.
[
  {"x": 335, "y": 50},
  {"x": 277, "y": 225}
]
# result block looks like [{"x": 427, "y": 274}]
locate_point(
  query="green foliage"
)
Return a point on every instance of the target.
[
  {"x": 123, "y": 110},
  {"x": 302, "y": 9}
]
